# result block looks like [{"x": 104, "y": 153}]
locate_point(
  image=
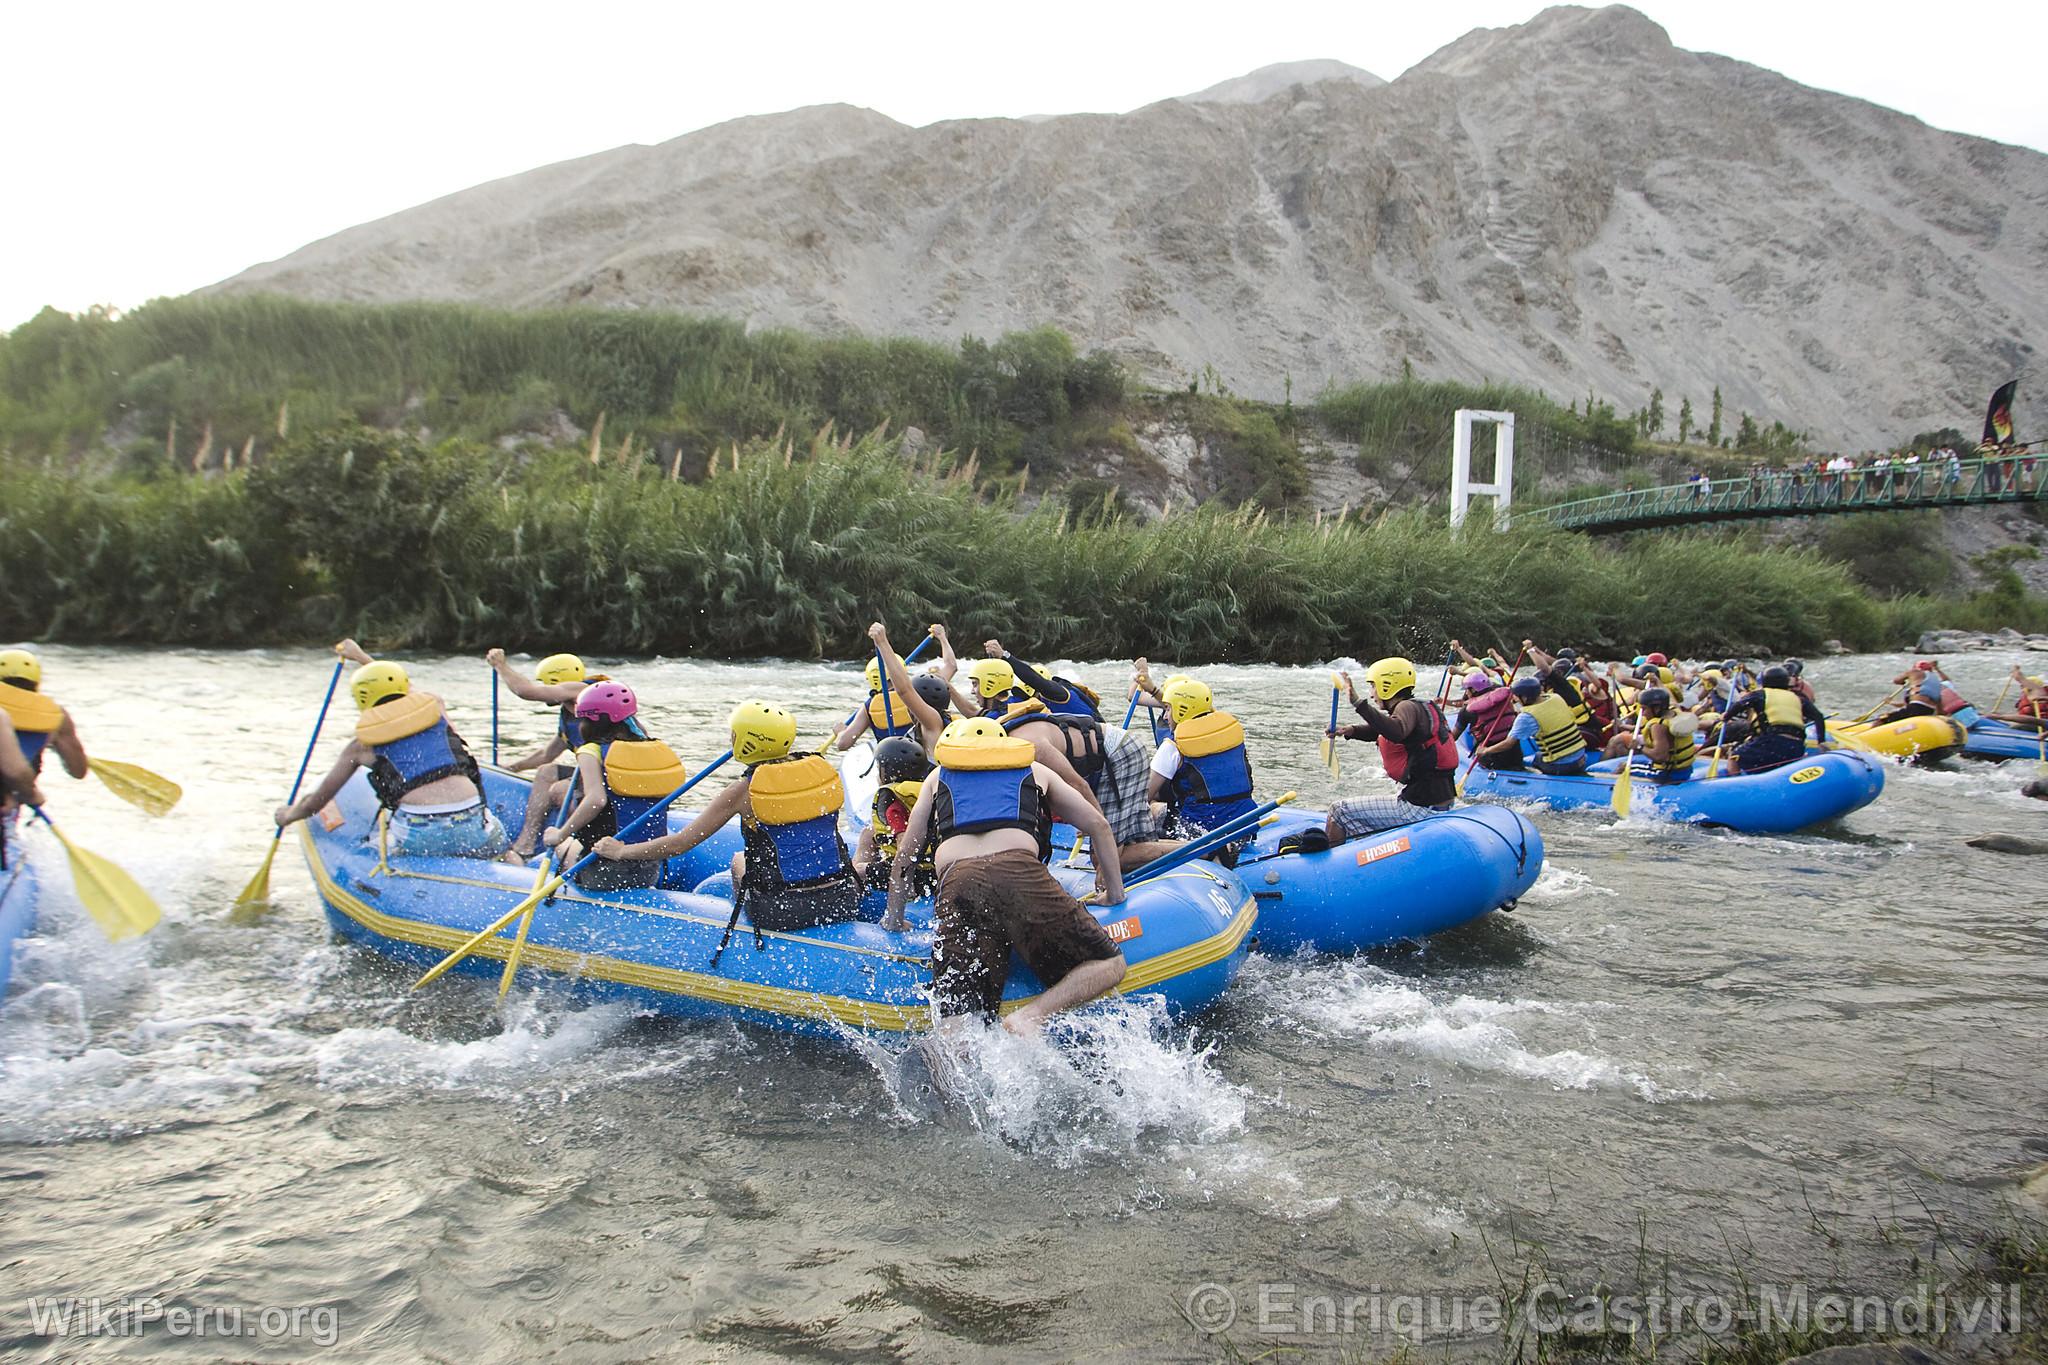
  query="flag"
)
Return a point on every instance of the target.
[{"x": 1998, "y": 417}]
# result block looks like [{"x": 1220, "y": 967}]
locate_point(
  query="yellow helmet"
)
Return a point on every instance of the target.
[
  {"x": 992, "y": 677},
  {"x": 973, "y": 730},
  {"x": 379, "y": 680},
  {"x": 1391, "y": 677},
  {"x": 874, "y": 675},
  {"x": 760, "y": 732},
  {"x": 1173, "y": 678},
  {"x": 560, "y": 668},
  {"x": 1186, "y": 699},
  {"x": 2037, "y": 680},
  {"x": 18, "y": 665}
]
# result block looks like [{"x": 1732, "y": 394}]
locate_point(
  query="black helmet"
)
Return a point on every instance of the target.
[
  {"x": 1795, "y": 666},
  {"x": 1527, "y": 689},
  {"x": 1567, "y": 655},
  {"x": 1656, "y": 699},
  {"x": 901, "y": 759},
  {"x": 1776, "y": 676},
  {"x": 932, "y": 688}
]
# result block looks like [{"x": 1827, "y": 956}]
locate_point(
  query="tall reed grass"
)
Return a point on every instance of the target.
[{"x": 794, "y": 550}]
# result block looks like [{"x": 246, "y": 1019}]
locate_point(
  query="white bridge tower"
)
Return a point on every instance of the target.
[{"x": 1501, "y": 486}]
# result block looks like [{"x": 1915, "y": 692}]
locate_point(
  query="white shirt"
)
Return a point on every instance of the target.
[{"x": 1166, "y": 762}]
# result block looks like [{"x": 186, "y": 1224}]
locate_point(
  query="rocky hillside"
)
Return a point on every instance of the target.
[{"x": 1571, "y": 203}]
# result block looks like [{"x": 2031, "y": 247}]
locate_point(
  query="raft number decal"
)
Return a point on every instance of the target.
[
  {"x": 1807, "y": 774},
  {"x": 1379, "y": 851},
  {"x": 1124, "y": 930}
]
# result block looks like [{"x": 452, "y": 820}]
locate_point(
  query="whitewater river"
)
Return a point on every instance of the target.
[{"x": 1687, "y": 1055}]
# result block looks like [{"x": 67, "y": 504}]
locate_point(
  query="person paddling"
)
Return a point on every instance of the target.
[
  {"x": 419, "y": 768},
  {"x": 2030, "y": 708},
  {"x": 557, "y": 681},
  {"x": 986, "y": 809},
  {"x": 1545, "y": 735},
  {"x": 1923, "y": 692},
  {"x": 1668, "y": 737},
  {"x": 794, "y": 871},
  {"x": 40, "y": 725},
  {"x": 620, "y": 772},
  {"x": 1779, "y": 717},
  {"x": 1415, "y": 747},
  {"x": 1204, "y": 765}
]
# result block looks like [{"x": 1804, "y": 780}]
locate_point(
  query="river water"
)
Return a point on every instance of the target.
[{"x": 1687, "y": 1055}]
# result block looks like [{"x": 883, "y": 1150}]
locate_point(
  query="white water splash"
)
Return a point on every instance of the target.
[{"x": 1510, "y": 1037}]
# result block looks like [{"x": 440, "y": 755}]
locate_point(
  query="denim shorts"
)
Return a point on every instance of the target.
[{"x": 472, "y": 832}]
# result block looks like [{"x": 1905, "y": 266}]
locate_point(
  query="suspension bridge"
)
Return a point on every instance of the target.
[
  {"x": 1805, "y": 493},
  {"x": 2013, "y": 474}
]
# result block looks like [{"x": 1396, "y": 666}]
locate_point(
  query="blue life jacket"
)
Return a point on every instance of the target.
[
  {"x": 1215, "y": 779},
  {"x": 412, "y": 745},
  {"x": 791, "y": 828}
]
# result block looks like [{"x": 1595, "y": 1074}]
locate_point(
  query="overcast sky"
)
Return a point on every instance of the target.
[{"x": 153, "y": 148}]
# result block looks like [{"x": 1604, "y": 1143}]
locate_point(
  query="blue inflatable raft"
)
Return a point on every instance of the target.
[
  {"x": 18, "y": 895},
  {"x": 1397, "y": 886},
  {"x": 1185, "y": 937},
  {"x": 1826, "y": 786},
  {"x": 1985, "y": 737},
  {"x": 1400, "y": 884}
]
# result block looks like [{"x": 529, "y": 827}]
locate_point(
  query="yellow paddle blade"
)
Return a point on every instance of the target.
[
  {"x": 138, "y": 786},
  {"x": 519, "y": 940},
  {"x": 122, "y": 908},
  {"x": 257, "y": 892},
  {"x": 1330, "y": 759},
  {"x": 1621, "y": 790}
]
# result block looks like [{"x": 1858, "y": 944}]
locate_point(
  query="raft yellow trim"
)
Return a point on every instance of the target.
[{"x": 723, "y": 990}]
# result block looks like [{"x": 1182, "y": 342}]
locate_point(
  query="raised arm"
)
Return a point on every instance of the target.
[
  {"x": 1039, "y": 684},
  {"x": 528, "y": 689},
  {"x": 898, "y": 682},
  {"x": 949, "y": 664}
]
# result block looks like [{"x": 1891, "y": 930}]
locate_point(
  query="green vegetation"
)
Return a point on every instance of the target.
[
  {"x": 169, "y": 375},
  {"x": 376, "y": 533}
]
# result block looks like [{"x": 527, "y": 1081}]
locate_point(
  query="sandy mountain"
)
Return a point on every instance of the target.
[{"x": 1572, "y": 202}]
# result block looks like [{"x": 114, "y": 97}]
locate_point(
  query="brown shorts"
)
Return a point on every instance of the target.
[{"x": 992, "y": 905}]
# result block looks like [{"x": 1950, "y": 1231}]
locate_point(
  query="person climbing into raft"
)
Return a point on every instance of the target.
[
  {"x": 621, "y": 771},
  {"x": 557, "y": 681},
  {"x": 1668, "y": 737},
  {"x": 1545, "y": 736},
  {"x": 419, "y": 768},
  {"x": 1923, "y": 692},
  {"x": 1416, "y": 749},
  {"x": 987, "y": 809},
  {"x": 1204, "y": 765},
  {"x": 1778, "y": 720},
  {"x": 1102, "y": 762},
  {"x": 40, "y": 725},
  {"x": 793, "y": 871}
]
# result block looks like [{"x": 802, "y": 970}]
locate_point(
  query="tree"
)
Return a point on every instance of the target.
[
  {"x": 1747, "y": 438},
  {"x": 1656, "y": 413},
  {"x": 1714, "y": 423},
  {"x": 1684, "y": 419}
]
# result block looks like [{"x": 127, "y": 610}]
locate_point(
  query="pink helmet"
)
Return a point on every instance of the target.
[
  {"x": 1477, "y": 682},
  {"x": 612, "y": 701}
]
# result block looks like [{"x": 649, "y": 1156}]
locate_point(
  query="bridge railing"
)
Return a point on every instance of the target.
[{"x": 2019, "y": 477}]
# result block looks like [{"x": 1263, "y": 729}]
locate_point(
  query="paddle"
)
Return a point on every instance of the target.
[
  {"x": 1330, "y": 759},
  {"x": 547, "y": 870},
  {"x": 138, "y": 786},
  {"x": 1622, "y": 794},
  {"x": 888, "y": 711},
  {"x": 112, "y": 897},
  {"x": 258, "y": 890},
  {"x": 553, "y": 882},
  {"x": 494, "y": 718},
  {"x": 1228, "y": 832}
]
